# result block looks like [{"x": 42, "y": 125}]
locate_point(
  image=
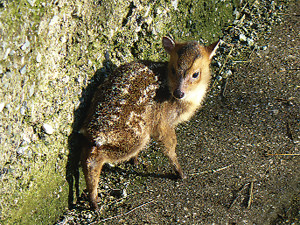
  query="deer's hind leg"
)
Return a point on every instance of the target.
[{"x": 92, "y": 163}]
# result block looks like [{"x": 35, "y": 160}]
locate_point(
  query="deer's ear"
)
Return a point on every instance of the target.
[
  {"x": 211, "y": 49},
  {"x": 169, "y": 44}
]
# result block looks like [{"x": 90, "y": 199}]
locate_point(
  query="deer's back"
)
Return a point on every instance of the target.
[{"x": 121, "y": 106}]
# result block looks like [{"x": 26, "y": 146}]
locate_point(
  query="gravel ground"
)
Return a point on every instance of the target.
[{"x": 240, "y": 152}]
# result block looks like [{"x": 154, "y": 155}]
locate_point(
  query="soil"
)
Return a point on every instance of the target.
[{"x": 240, "y": 152}]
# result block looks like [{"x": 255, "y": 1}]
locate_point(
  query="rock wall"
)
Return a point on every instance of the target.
[{"x": 52, "y": 54}]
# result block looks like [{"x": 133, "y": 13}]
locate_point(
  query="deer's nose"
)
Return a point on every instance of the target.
[{"x": 178, "y": 94}]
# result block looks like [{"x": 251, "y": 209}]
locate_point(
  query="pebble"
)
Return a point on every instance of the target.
[
  {"x": 6, "y": 53},
  {"x": 23, "y": 60},
  {"x": 31, "y": 89},
  {"x": 54, "y": 20},
  {"x": 12, "y": 52},
  {"x": 48, "y": 128},
  {"x": 65, "y": 79},
  {"x": 242, "y": 37},
  {"x": 250, "y": 41},
  {"x": 124, "y": 193},
  {"x": 228, "y": 72},
  {"x": 25, "y": 45},
  {"x": 23, "y": 110},
  {"x": 39, "y": 57},
  {"x": 174, "y": 4},
  {"x": 22, "y": 150},
  {"x": 219, "y": 78},
  {"x": 2, "y": 104},
  {"x": 8, "y": 106},
  {"x": 23, "y": 70},
  {"x": 31, "y": 2},
  {"x": 236, "y": 13}
]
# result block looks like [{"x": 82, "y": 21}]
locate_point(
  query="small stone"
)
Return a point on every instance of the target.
[
  {"x": 25, "y": 45},
  {"x": 22, "y": 60},
  {"x": 39, "y": 57},
  {"x": 174, "y": 4},
  {"x": 79, "y": 79},
  {"x": 23, "y": 110},
  {"x": 236, "y": 22},
  {"x": 31, "y": 2},
  {"x": 63, "y": 39},
  {"x": 65, "y": 79},
  {"x": 31, "y": 90},
  {"x": 23, "y": 70},
  {"x": 219, "y": 78},
  {"x": 242, "y": 37},
  {"x": 54, "y": 20},
  {"x": 12, "y": 52},
  {"x": 250, "y": 41},
  {"x": 6, "y": 54},
  {"x": 21, "y": 150},
  {"x": 2, "y": 104},
  {"x": 124, "y": 193},
  {"x": 236, "y": 13},
  {"x": 228, "y": 73},
  {"x": 48, "y": 128},
  {"x": 8, "y": 106}
]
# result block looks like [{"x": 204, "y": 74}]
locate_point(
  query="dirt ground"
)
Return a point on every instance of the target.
[{"x": 235, "y": 151}]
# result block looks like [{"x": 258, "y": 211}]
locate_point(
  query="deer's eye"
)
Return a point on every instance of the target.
[{"x": 195, "y": 75}]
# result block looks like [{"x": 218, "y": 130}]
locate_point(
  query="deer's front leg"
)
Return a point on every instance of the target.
[{"x": 169, "y": 140}]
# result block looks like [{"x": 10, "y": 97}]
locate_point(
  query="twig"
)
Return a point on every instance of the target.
[
  {"x": 211, "y": 171},
  {"x": 124, "y": 214},
  {"x": 284, "y": 154},
  {"x": 289, "y": 14},
  {"x": 214, "y": 84},
  {"x": 224, "y": 87},
  {"x": 238, "y": 195},
  {"x": 251, "y": 54},
  {"x": 250, "y": 195},
  {"x": 227, "y": 57},
  {"x": 285, "y": 100},
  {"x": 244, "y": 7},
  {"x": 241, "y": 61}
]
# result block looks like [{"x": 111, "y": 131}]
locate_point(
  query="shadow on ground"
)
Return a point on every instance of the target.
[{"x": 74, "y": 140}]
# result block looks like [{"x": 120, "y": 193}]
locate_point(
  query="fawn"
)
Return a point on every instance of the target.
[{"x": 143, "y": 100}]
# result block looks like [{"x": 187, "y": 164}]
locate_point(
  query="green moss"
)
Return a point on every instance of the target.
[
  {"x": 201, "y": 20},
  {"x": 43, "y": 202}
]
